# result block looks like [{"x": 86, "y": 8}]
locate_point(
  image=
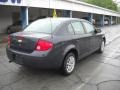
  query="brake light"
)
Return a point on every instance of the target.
[
  {"x": 43, "y": 45},
  {"x": 9, "y": 40}
]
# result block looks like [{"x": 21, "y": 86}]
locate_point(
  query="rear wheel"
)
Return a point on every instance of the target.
[
  {"x": 102, "y": 47},
  {"x": 69, "y": 64}
]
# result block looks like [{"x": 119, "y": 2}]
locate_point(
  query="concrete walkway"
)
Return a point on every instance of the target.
[{"x": 111, "y": 32}]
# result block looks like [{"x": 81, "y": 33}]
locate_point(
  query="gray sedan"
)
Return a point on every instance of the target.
[{"x": 55, "y": 43}]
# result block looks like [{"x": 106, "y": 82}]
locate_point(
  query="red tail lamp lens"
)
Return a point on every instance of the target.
[{"x": 43, "y": 45}]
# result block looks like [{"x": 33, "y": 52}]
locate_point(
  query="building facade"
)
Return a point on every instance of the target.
[{"x": 12, "y": 11}]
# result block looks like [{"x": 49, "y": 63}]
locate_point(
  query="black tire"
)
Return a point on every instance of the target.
[
  {"x": 65, "y": 66},
  {"x": 102, "y": 46}
]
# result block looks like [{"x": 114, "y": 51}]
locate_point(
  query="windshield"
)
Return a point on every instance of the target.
[{"x": 43, "y": 26}]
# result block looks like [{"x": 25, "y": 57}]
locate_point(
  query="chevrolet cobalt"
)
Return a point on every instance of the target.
[{"x": 55, "y": 43}]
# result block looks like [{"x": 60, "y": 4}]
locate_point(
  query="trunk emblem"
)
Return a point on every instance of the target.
[{"x": 20, "y": 41}]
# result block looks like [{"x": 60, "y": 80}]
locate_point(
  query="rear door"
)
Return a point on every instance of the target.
[
  {"x": 80, "y": 39},
  {"x": 94, "y": 38}
]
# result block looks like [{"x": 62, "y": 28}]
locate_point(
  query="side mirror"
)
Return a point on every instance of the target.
[{"x": 98, "y": 30}]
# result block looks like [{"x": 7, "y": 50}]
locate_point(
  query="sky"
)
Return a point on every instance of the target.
[{"x": 117, "y": 0}]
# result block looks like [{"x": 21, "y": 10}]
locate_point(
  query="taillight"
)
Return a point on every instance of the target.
[
  {"x": 9, "y": 40},
  {"x": 43, "y": 45}
]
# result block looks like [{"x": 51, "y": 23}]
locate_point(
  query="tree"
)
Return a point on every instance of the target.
[{"x": 109, "y": 4}]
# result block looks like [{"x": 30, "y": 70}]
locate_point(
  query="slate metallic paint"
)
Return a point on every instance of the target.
[{"x": 63, "y": 44}]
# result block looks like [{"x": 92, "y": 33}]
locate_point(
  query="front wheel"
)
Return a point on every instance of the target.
[
  {"x": 102, "y": 47},
  {"x": 69, "y": 64}
]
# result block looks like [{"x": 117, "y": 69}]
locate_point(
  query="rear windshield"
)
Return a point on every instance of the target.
[{"x": 43, "y": 25}]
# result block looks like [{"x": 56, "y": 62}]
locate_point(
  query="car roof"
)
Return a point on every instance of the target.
[{"x": 62, "y": 19}]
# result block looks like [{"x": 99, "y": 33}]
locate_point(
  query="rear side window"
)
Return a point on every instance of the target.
[
  {"x": 65, "y": 29},
  {"x": 78, "y": 27},
  {"x": 62, "y": 30},
  {"x": 70, "y": 29},
  {"x": 89, "y": 27}
]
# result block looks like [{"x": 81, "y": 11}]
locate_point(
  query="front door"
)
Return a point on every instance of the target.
[
  {"x": 94, "y": 38},
  {"x": 80, "y": 39}
]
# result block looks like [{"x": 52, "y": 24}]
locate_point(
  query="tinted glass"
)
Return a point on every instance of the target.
[
  {"x": 78, "y": 28},
  {"x": 43, "y": 25},
  {"x": 65, "y": 29},
  {"x": 89, "y": 27},
  {"x": 70, "y": 29},
  {"x": 62, "y": 30}
]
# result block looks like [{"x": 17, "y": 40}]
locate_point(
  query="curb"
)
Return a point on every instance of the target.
[{"x": 110, "y": 41}]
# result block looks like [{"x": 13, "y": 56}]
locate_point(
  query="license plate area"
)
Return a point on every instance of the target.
[
  {"x": 14, "y": 57},
  {"x": 17, "y": 58}
]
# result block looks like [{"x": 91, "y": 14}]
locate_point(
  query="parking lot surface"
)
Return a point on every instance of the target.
[{"x": 95, "y": 72}]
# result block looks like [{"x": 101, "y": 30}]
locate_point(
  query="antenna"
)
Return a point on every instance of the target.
[{"x": 50, "y": 19}]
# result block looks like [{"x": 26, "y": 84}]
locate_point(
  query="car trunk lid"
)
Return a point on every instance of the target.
[{"x": 25, "y": 41}]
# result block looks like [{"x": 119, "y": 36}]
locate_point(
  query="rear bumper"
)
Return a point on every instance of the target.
[{"x": 43, "y": 60}]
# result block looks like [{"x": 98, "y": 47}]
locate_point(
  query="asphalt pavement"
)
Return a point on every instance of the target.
[{"x": 95, "y": 72}]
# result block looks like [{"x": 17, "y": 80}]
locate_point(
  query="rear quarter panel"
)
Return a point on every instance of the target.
[{"x": 62, "y": 45}]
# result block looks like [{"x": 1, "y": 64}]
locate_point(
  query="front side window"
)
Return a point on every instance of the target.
[
  {"x": 89, "y": 27},
  {"x": 78, "y": 27}
]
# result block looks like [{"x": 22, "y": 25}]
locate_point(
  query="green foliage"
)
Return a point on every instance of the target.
[{"x": 109, "y": 4}]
